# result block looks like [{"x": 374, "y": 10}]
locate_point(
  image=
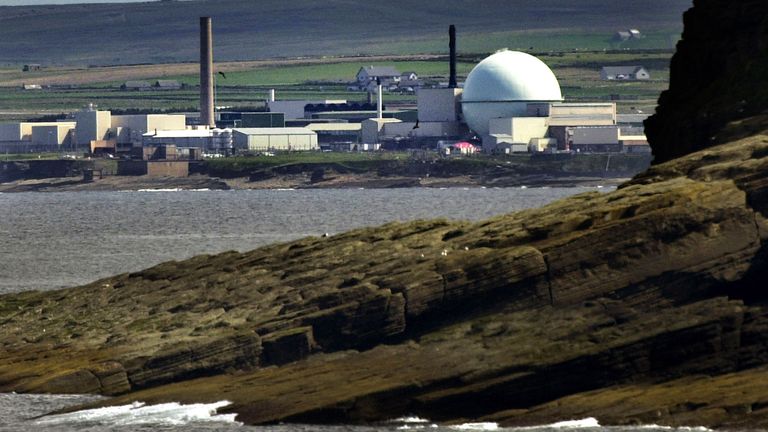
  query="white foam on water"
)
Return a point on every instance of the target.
[
  {"x": 172, "y": 190},
  {"x": 409, "y": 419},
  {"x": 138, "y": 413},
  {"x": 672, "y": 428},
  {"x": 483, "y": 426},
  {"x": 589, "y": 422}
]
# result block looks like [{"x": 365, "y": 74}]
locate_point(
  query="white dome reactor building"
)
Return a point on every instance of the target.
[{"x": 503, "y": 84}]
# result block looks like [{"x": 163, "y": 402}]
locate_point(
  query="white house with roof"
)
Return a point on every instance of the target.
[
  {"x": 630, "y": 73},
  {"x": 386, "y": 74}
]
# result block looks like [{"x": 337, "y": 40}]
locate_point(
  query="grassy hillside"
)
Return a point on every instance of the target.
[{"x": 167, "y": 31}]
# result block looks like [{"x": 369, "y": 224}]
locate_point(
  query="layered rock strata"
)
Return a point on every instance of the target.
[{"x": 647, "y": 290}]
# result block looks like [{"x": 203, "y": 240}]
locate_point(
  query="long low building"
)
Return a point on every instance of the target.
[{"x": 280, "y": 139}]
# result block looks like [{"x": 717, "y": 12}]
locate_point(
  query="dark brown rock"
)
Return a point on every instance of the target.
[{"x": 718, "y": 74}]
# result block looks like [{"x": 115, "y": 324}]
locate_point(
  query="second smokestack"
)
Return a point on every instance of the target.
[
  {"x": 206, "y": 73},
  {"x": 452, "y": 48}
]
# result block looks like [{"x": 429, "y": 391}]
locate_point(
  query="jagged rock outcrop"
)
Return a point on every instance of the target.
[{"x": 718, "y": 74}]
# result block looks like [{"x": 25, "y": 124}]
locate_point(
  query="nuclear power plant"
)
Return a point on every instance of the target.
[{"x": 511, "y": 102}]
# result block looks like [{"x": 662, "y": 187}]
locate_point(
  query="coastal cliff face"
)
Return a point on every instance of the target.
[
  {"x": 718, "y": 75},
  {"x": 644, "y": 305}
]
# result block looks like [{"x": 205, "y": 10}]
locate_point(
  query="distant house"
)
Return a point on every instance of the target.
[
  {"x": 409, "y": 79},
  {"x": 167, "y": 85},
  {"x": 32, "y": 87},
  {"x": 386, "y": 74},
  {"x": 136, "y": 86},
  {"x": 31, "y": 67},
  {"x": 625, "y": 35},
  {"x": 629, "y": 73}
]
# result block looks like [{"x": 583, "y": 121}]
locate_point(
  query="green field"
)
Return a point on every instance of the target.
[{"x": 578, "y": 73}]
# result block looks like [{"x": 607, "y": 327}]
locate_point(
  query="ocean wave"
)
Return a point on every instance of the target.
[
  {"x": 482, "y": 426},
  {"x": 409, "y": 419},
  {"x": 589, "y": 422},
  {"x": 672, "y": 428},
  {"x": 138, "y": 413},
  {"x": 172, "y": 190}
]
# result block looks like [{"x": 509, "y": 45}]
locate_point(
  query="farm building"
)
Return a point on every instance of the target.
[
  {"x": 167, "y": 85},
  {"x": 386, "y": 74},
  {"x": 136, "y": 86},
  {"x": 625, "y": 35},
  {"x": 630, "y": 73},
  {"x": 275, "y": 139}
]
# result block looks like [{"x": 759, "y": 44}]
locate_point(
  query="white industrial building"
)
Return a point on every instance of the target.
[
  {"x": 275, "y": 139},
  {"x": 36, "y": 136},
  {"x": 125, "y": 130},
  {"x": 215, "y": 140}
]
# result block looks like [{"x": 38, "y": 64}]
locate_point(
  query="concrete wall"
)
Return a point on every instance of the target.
[
  {"x": 53, "y": 136},
  {"x": 10, "y": 132},
  {"x": 132, "y": 127},
  {"x": 276, "y": 141},
  {"x": 425, "y": 129},
  {"x": 372, "y": 129},
  {"x": 595, "y": 135},
  {"x": 165, "y": 122},
  {"x": 439, "y": 105},
  {"x": 596, "y": 114},
  {"x": 167, "y": 168},
  {"x": 519, "y": 129},
  {"x": 92, "y": 126},
  {"x": 294, "y": 109}
]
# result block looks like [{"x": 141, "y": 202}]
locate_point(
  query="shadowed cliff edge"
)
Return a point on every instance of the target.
[{"x": 645, "y": 305}]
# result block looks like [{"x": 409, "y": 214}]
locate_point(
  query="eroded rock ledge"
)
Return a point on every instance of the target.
[{"x": 647, "y": 293}]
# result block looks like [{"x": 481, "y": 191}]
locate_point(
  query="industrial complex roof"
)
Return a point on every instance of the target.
[
  {"x": 334, "y": 126},
  {"x": 186, "y": 133},
  {"x": 275, "y": 131}
]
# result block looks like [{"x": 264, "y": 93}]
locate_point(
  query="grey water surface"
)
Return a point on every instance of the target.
[{"x": 56, "y": 240}]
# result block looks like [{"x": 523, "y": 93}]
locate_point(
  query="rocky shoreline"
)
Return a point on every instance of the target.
[
  {"x": 645, "y": 305},
  {"x": 300, "y": 181},
  {"x": 616, "y": 305}
]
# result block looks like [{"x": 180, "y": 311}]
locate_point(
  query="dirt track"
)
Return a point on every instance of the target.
[{"x": 66, "y": 76}]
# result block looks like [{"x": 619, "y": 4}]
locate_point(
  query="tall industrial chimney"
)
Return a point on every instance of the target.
[
  {"x": 379, "y": 100},
  {"x": 452, "y": 48},
  {"x": 206, "y": 73}
]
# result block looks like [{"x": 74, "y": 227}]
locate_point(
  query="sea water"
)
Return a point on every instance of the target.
[{"x": 56, "y": 240}]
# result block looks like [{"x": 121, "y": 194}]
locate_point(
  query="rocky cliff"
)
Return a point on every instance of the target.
[
  {"x": 642, "y": 305},
  {"x": 718, "y": 75}
]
